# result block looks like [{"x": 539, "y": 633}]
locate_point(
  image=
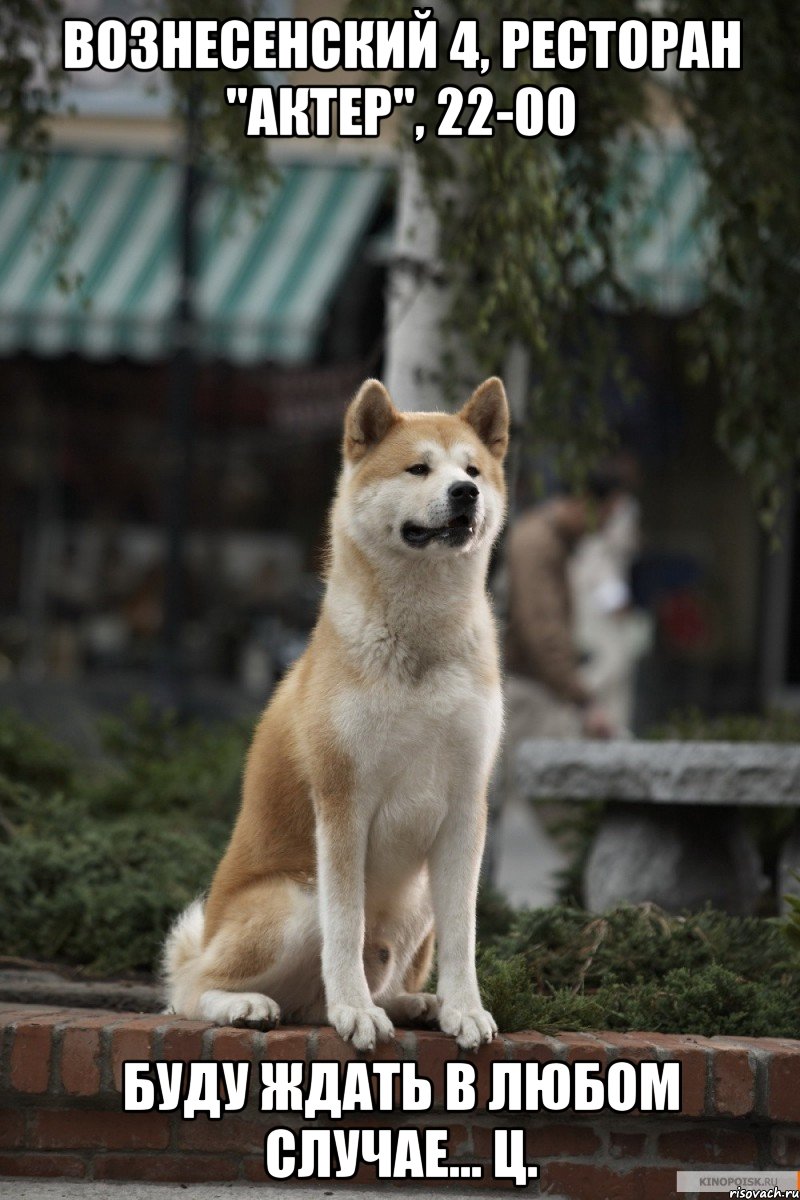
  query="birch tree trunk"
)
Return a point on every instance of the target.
[{"x": 418, "y": 298}]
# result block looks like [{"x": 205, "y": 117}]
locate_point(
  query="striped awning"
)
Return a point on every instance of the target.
[
  {"x": 663, "y": 245},
  {"x": 89, "y": 257}
]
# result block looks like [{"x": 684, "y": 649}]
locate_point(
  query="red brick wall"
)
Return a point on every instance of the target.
[{"x": 60, "y": 1108}]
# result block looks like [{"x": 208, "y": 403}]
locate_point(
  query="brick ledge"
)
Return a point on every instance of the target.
[{"x": 60, "y": 1107}]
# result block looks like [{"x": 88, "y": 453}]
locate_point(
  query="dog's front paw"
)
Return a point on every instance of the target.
[
  {"x": 469, "y": 1026},
  {"x": 361, "y": 1026}
]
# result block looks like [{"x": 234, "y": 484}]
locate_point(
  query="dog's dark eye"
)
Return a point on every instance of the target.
[
  {"x": 419, "y": 469},
  {"x": 472, "y": 471}
]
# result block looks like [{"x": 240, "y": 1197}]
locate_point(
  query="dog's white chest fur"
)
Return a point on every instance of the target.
[{"x": 414, "y": 748}]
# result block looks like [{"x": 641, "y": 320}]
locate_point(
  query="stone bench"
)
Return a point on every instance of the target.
[{"x": 672, "y": 832}]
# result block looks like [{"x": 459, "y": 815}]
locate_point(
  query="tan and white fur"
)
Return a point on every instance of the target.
[{"x": 363, "y": 814}]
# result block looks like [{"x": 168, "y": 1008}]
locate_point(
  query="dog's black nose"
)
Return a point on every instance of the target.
[{"x": 462, "y": 494}]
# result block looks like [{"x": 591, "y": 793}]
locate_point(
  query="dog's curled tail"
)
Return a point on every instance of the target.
[{"x": 182, "y": 950}]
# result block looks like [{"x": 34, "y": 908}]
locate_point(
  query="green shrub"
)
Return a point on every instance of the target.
[
  {"x": 494, "y": 914},
  {"x": 692, "y": 725},
  {"x": 30, "y": 756},
  {"x": 637, "y": 968},
  {"x": 95, "y": 863},
  {"x": 160, "y": 765},
  {"x": 567, "y": 947},
  {"x": 710, "y": 1002},
  {"x": 100, "y": 894},
  {"x": 792, "y": 923}
]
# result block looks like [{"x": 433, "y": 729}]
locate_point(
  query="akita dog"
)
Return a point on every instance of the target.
[{"x": 364, "y": 799}]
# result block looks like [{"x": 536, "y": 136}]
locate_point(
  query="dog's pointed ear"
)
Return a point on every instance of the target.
[
  {"x": 487, "y": 412},
  {"x": 369, "y": 418}
]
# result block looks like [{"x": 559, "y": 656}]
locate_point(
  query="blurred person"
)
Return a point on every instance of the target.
[
  {"x": 611, "y": 634},
  {"x": 547, "y": 695}
]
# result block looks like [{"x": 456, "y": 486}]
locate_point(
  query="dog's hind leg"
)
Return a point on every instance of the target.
[
  {"x": 411, "y": 1004},
  {"x": 251, "y": 1009},
  {"x": 419, "y": 969},
  {"x": 262, "y": 958}
]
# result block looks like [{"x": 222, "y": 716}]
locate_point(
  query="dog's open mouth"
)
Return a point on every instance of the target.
[{"x": 456, "y": 532}]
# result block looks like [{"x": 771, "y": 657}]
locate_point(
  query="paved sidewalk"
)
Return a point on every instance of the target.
[{"x": 56, "y": 1189}]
